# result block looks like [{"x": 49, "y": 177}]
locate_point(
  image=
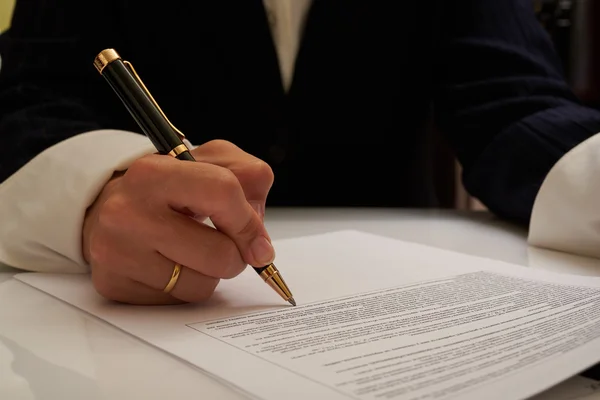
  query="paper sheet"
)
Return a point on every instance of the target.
[{"x": 376, "y": 319}]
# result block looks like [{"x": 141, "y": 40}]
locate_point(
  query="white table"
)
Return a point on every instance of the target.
[{"x": 51, "y": 350}]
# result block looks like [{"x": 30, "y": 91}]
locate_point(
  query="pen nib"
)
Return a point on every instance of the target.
[{"x": 292, "y": 301}]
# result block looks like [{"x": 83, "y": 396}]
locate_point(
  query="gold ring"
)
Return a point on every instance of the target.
[{"x": 174, "y": 278}]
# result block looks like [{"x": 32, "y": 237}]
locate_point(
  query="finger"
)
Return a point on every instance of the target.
[
  {"x": 255, "y": 176},
  {"x": 135, "y": 263},
  {"x": 207, "y": 190},
  {"x": 155, "y": 272},
  {"x": 186, "y": 241},
  {"x": 199, "y": 247},
  {"x": 117, "y": 287}
]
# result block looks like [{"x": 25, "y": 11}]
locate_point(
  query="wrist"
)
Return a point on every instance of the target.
[{"x": 91, "y": 214}]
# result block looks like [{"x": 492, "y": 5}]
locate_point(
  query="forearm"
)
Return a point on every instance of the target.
[
  {"x": 509, "y": 172},
  {"x": 503, "y": 103},
  {"x": 27, "y": 132}
]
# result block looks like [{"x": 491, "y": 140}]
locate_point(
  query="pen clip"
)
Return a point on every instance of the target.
[{"x": 130, "y": 66}]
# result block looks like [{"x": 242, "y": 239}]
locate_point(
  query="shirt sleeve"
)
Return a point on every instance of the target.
[
  {"x": 44, "y": 203},
  {"x": 566, "y": 213}
]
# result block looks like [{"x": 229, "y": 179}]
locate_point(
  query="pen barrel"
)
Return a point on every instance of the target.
[
  {"x": 141, "y": 107},
  {"x": 185, "y": 156}
]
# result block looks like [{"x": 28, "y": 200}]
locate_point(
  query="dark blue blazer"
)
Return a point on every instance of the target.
[{"x": 352, "y": 131}]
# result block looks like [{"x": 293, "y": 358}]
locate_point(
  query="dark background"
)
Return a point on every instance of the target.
[{"x": 574, "y": 26}]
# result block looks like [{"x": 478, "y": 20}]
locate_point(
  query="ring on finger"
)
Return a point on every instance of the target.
[{"x": 174, "y": 278}]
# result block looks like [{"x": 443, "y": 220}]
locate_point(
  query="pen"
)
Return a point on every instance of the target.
[{"x": 167, "y": 139}]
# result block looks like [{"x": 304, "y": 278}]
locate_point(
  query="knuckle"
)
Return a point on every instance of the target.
[
  {"x": 100, "y": 252},
  {"x": 219, "y": 145},
  {"x": 262, "y": 172},
  {"x": 227, "y": 185},
  {"x": 142, "y": 168},
  {"x": 113, "y": 212}
]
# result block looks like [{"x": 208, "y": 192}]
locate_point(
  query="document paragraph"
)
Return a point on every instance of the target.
[{"x": 426, "y": 340}]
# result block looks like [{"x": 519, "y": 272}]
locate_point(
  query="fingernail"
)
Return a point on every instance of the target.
[
  {"x": 262, "y": 250},
  {"x": 260, "y": 209}
]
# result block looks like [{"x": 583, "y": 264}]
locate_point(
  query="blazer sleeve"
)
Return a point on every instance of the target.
[
  {"x": 47, "y": 75},
  {"x": 502, "y": 101}
]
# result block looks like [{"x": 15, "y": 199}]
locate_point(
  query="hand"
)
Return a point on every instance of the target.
[{"x": 150, "y": 217}]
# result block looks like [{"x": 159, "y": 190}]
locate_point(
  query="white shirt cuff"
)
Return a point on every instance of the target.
[
  {"x": 566, "y": 213},
  {"x": 44, "y": 203}
]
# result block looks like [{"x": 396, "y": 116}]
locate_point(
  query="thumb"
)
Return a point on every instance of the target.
[{"x": 244, "y": 226}]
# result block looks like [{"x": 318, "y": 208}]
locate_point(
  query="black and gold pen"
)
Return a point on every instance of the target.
[{"x": 167, "y": 139}]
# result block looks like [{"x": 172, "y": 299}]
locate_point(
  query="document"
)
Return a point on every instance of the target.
[{"x": 376, "y": 319}]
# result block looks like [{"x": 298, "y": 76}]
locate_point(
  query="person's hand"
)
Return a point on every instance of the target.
[{"x": 150, "y": 218}]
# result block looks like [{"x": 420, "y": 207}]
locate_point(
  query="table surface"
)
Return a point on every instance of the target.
[{"x": 51, "y": 350}]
